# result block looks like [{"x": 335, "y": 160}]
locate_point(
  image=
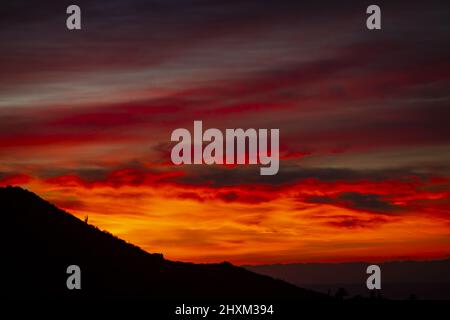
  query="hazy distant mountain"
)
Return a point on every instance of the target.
[
  {"x": 400, "y": 279},
  {"x": 39, "y": 242}
]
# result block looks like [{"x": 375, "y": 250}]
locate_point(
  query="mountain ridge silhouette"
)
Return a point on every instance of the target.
[{"x": 40, "y": 241}]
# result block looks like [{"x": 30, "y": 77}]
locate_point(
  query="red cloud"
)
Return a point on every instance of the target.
[{"x": 14, "y": 179}]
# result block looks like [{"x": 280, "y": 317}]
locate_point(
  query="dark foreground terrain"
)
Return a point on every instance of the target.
[
  {"x": 39, "y": 242},
  {"x": 423, "y": 280}
]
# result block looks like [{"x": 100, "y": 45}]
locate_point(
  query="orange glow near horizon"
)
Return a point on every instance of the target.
[{"x": 285, "y": 230}]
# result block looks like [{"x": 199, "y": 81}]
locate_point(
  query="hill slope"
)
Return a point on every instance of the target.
[{"x": 40, "y": 241}]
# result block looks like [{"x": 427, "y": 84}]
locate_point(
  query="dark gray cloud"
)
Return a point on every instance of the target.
[
  {"x": 219, "y": 176},
  {"x": 358, "y": 201}
]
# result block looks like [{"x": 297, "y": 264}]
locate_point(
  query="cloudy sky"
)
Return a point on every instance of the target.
[{"x": 86, "y": 118}]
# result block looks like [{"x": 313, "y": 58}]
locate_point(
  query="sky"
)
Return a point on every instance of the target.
[{"x": 86, "y": 118}]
